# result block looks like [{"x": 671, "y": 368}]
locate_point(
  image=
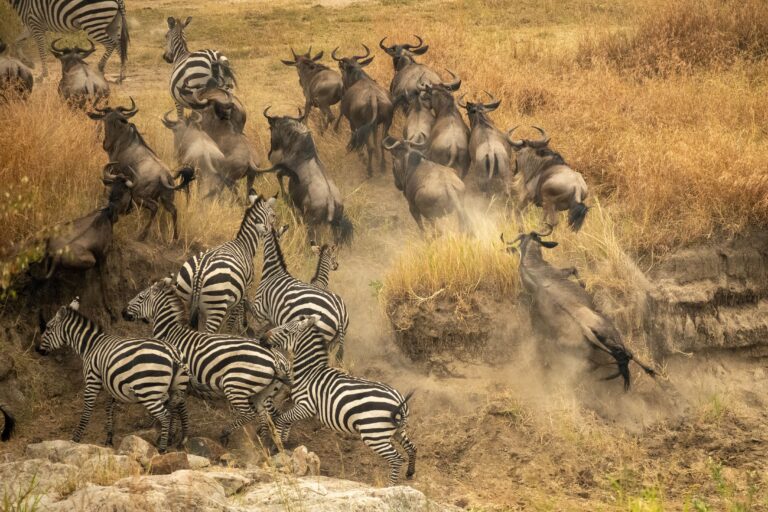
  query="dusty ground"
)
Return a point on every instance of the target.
[{"x": 502, "y": 436}]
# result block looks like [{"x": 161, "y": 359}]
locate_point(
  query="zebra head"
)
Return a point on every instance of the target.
[
  {"x": 328, "y": 253},
  {"x": 174, "y": 38},
  {"x": 260, "y": 212},
  {"x": 55, "y": 332},
  {"x": 142, "y": 306},
  {"x": 287, "y": 335}
]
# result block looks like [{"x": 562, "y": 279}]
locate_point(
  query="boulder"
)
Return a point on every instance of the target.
[
  {"x": 197, "y": 462},
  {"x": 35, "y": 477},
  {"x": 138, "y": 449},
  {"x": 205, "y": 447},
  {"x": 51, "y": 450},
  {"x": 231, "y": 482},
  {"x": 106, "y": 469},
  {"x": 304, "y": 462},
  {"x": 168, "y": 463}
]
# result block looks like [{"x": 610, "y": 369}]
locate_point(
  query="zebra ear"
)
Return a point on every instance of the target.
[
  {"x": 75, "y": 304},
  {"x": 186, "y": 22},
  {"x": 271, "y": 201},
  {"x": 315, "y": 248},
  {"x": 252, "y": 199}
]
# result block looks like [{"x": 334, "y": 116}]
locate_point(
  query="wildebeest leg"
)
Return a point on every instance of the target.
[
  {"x": 370, "y": 146},
  {"x": 519, "y": 209},
  {"x": 417, "y": 217},
  {"x": 573, "y": 271},
  {"x": 152, "y": 206},
  {"x": 171, "y": 208},
  {"x": 250, "y": 177},
  {"x": 338, "y": 120},
  {"x": 100, "y": 262},
  {"x": 307, "y": 109},
  {"x": 327, "y": 117},
  {"x": 550, "y": 215}
]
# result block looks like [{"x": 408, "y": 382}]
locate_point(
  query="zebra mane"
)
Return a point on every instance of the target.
[
  {"x": 178, "y": 305},
  {"x": 278, "y": 250},
  {"x": 98, "y": 329}
]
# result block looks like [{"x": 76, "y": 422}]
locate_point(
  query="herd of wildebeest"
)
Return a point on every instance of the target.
[{"x": 191, "y": 311}]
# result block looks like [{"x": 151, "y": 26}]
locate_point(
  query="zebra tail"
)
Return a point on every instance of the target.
[
  {"x": 194, "y": 300},
  {"x": 399, "y": 410},
  {"x": 124, "y": 37},
  {"x": 10, "y": 424}
]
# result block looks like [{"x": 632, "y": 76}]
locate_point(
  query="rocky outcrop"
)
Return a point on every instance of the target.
[{"x": 66, "y": 477}]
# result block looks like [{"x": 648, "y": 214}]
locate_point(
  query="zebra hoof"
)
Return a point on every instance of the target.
[{"x": 409, "y": 474}]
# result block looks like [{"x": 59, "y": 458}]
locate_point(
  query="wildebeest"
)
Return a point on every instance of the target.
[
  {"x": 79, "y": 83},
  {"x": 293, "y": 153},
  {"x": 544, "y": 179},
  {"x": 321, "y": 85},
  {"x": 194, "y": 147},
  {"x": 567, "y": 309},
  {"x": 9, "y": 422},
  {"x": 365, "y": 104},
  {"x": 449, "y": 141},
  {"x": 432, "y": 190},
  {"x": 14, "y": 76},
  {"x": 153, "y": 181},
  {"x": 408, "y": 72},
  {"x": 489, "y": 148},
  {"x": 83, "y": 243},
  {"x": 419, "y": 119}
]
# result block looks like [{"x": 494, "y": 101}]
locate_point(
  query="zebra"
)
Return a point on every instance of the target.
[
  {"x": 240, "y": 369},
  {"x": 193, "y": 70},
  {"x": 213, "y": 283},
  {"x": 9, "y": 423},
  {"x": 141, "y": 370},
  {"x": 346, "y": 404},
  {"x": 280, "y": 297},
  {"x": 326, "y": 261},
  {"x": 103, "y": 20}
]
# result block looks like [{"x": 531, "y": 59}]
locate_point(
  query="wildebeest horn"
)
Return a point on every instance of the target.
[
  {"x": 128, "y": 112},
  {"x": 455, "y": 84},
  {"x": 309, "y": 52},
  {"x": 551, "y": 229},
  {"x": 88, "y": 51},
  {"x": 383, "y": 46},
  {"x": 411, "y": 46},
  {"x": 461, "y": 103},
  {"x": 393, "y": 145},
  {"x": 333, "y": 54},
  {"x": 266, "y": 114},
  {"x": 494, "y": 104},
  {"x": 195, "y": 116},
  {"x": 515, "y": 143},
  {"x": 543, "y": 141},
  {"x": 420, "y": 142},
  {"x": 106, "y": 176},
  {"x": 57, "y": 51},
  {"x": 166, "y": 119},
  {"x": 361, "y": 57},
  {"x": 294, "y": 54}
]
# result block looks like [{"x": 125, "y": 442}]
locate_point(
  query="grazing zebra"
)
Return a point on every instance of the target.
[
  {"x": 375, "y": 411},
  {"x": 8, "y": 425},
  {"x": 213, "y": 283},
  {"x": 103, "y": 20},
  {"x": 326, "y": 261},
  {"x": 193, "y": 70},
  {"x": 238, "y": 368},
  {"x": 141, "y": 370},
  {"x": 280, "y": 298}
]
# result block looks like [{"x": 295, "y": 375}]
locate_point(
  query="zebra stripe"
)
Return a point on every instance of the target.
[
  {"x": 102, "y": 20},
  {"x": 213, "y": 283},
  {"x": 238, "y": 368},
  {"x": 326, "y": 261},
  {"x": 193, "y": 70},
  {"x": 132, "y": 370},
  {"x": 375, "y": 411},
  {"x": 280, "y": 298}
]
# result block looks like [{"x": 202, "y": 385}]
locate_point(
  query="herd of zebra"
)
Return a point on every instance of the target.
[{"x": 187, "y": 352}]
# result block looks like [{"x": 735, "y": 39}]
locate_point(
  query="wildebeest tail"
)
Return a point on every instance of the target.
[
  {"x": 222, "y": 72},
  {"x": 576, "y": 215},
  {"x": 10, "y": 424},
  {"x": 399, "y": 411},
  {"x": 363, "y": 133},
  {"x": 124, "y": 37},
  {"x": 187, "y": 174},
  {"x": 343, "y": 230}
]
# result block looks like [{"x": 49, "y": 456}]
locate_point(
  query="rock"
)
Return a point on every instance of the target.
[
  {"x": 205, "y": 447},
  {"x": 138, "y": 449},
  {"x": 35, "y": 477},
  {"x": 80, "y": 453},
  {"x": 282, "y": 462},
  {"x": 168, "y": 463},
  {"x": 180, "y": 492},
  {"x": 231, "y": 482},
  {"x": 323, "y": 494},
  {"x": 51, "y": 450},
  {"x": 304, "y": 462},
  {"x": 197, "y": 462},
  {"x": 106, "y": 469}
]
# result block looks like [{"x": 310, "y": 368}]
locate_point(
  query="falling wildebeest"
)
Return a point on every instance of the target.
[
  {"x": 9, "y": 423},
  {"x": 83, "y": 243},
  {"x": 432, "y": 190},
  {"x": 194, "y": 147},
  {"x": 321, "y": 85},
  {"x": 365, "y": 104},
  {"x": 489, "y": 148},
  {"x": 15, "y": 77},
  {"x": 565, "y": 307},
  {"x": 293, "y": 153},
  {"x": 408, "y": 73},
  {"x": 153, "y": 181},
  {"x": 544, "y": 179},
  {"x": 79, "y": 83},
  {"x": 449, "y": 140}
]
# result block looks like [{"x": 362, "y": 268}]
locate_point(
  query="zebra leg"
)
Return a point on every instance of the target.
[
  {"x": 387, "y": 451},
  {"x": 245, "y": 414},
  {"x": 410, "y": 449},
  {"x": 286, "y": 419},
  {"x": 160, "y": 413},
  {"x": 179, "y": 111},
  {"x": 110, "y": 47},
  {"x": 339, "y": 345},
  {"x": 110, "y": 420},
  {"x": 39, "y": 36},
  {"x": 179, "y": 406},
  {"x": 92, "y": 390}
]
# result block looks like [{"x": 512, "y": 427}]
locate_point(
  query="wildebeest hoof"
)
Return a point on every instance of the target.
[{"x": 224, "y": 440}]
